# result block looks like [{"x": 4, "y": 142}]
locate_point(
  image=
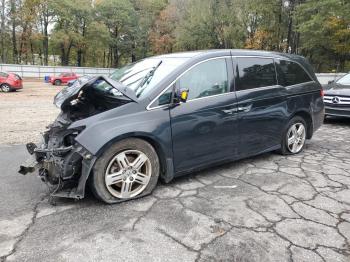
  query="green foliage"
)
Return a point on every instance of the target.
[
  {"x": 325, "y": 32},
  {"x": 109, "y": 33}
]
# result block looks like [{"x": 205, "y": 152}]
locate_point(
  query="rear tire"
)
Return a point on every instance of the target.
[
  {"x": 128, "y": 169},
  {"x": 5, "y": 88},
  {"x": 294, "y": 136},
  {"x": 58, "y": 82}
]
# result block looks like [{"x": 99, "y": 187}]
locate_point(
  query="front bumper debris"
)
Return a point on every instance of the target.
[
  {"x": 29, "y": 166},
  {"x": 64, "y": 169}
]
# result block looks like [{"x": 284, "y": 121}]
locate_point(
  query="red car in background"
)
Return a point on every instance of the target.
[
  {"x": 63, "y": 78},
  {"x": 10, "y": 82}
]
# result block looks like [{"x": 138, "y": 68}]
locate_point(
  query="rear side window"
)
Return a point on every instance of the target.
[
  {"x": 290, "y": 73},
  {"x": 2, "y": 74},
  {"x": 255, "y": 72}
]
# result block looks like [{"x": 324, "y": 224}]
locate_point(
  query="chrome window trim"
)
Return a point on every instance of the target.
[
  {"x": 259, "y": 88},
  {"x": 177, "y": 78}
]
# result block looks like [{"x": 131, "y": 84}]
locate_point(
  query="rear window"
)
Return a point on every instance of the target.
[
  {"x": 255, "y": 72},
  {"x": 17, "y": 77},
  {"x": 290, "y": 73},
  {"x": 2, "y": 74}
]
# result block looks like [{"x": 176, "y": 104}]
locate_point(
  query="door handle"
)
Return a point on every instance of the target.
[
  {"x": 230, "y": 111},
  {"x": 244, "y": 108}
]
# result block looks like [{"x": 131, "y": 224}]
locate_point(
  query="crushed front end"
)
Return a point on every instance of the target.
[{"x": 60, "y": 161}]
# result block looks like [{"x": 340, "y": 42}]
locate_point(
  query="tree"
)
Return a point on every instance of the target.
[
  {"x": 325, "y": 28},
  {"x": 162, "y": 36},
  {"x": 13, "y": 15},
  {"x": 2, "y": 30},
  {"x": 46, "y": 16},
  {"x": 114, "y": 32},
  {"x": 118, "y": 16},
  {"x": 210, "y": 24}
]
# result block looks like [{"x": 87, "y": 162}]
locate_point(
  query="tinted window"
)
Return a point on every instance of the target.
[
  {"x": 290, "y": 73},
  {"x": 206, "y": 79},
  {"x": 255, "y": 72}
]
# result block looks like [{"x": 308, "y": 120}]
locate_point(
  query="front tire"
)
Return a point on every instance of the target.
[
  {"x": 5, "y": 88},
  {"x": 57, "y": 82},
  {"x": 127, "y": 170},
  {"x": 294, "y": 137}
]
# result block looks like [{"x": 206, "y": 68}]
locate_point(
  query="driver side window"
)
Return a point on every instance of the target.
[{"x": 206, "y": 79}]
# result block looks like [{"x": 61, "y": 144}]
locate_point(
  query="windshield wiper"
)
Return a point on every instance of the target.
[
  {"x": 147, "y": 79},
  {"x": 138, "y": 72}
]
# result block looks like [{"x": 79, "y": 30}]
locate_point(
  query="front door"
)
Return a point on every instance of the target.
[{"x": 204, "y": 129}]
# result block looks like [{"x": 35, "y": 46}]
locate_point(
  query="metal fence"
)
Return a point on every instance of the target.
[
  {"x": 323, "y": 78},
  {"x": 42, "y": 71}
]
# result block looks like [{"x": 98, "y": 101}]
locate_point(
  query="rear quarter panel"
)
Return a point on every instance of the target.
[{"x": 307, "y": 98}]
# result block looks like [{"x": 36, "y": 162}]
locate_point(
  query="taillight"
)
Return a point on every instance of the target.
[{"x": 322, "y": 93}]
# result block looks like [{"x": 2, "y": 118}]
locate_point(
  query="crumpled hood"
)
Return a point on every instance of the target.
[{"x": 70, "y": 93}]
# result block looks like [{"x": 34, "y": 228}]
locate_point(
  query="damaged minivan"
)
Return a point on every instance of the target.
[{"x": 171, "y": 115}]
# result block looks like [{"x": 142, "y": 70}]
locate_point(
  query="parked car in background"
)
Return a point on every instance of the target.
[
  {"x": 63, "y": 78},
  {"x": 10, "y": 82},
  {"x": 170, "y": 115},
  {"x": 81, "y": 79},
  {"x": 337, "y": 97}
]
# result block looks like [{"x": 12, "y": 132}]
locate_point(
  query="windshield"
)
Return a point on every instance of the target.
[
  {"x": 142, "y": 76},
  {"x": 345, "y": 80}
]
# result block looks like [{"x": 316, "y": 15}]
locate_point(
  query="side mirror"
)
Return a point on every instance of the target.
[
  {"x": 181, "y": 95},
  {"x": 331, "y": 82}
]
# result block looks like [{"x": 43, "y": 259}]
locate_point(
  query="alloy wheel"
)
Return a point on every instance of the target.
[
  {"x": 128, "y": 174},
  {"x": 296, "y": 136},
  {"x": 5, "y": 88}
]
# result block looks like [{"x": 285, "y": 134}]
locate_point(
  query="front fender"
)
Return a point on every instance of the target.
[{"x": 154, "y": 124}]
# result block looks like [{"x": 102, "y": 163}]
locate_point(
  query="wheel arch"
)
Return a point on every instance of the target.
[
  {"x": 308, "y": 119},
  {"x": 146, "y": 137}
]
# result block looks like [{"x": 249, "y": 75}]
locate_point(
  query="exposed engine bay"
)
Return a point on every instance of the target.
[{"x": 62, "y": 163}]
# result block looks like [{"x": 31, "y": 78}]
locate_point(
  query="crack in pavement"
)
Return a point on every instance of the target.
[
  {"x": 289, "y": 204},
  {"x": 21, "y": 236}
]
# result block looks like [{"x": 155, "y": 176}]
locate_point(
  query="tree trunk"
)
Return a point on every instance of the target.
[
  {"x": 46, "y": 43},
  {"x": 32, "y": 52},
  {"x": 45, "y": 24},
  {"x": 80, "y": 52},
  {"x": 2, "y": 29},
  {"x": 40, "y": 57},
  {"x": 104, "y": 58},
  {"x": 133, "y": 56},
  {"x": 115, "y": 57},
  {"x": 79, "y": 57},
  {"x": 14, "y": 42},
  {"x": 115, "y": 49}
]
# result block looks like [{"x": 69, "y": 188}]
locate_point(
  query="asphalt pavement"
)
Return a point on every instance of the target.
[{"x": 266, "y": 208}]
